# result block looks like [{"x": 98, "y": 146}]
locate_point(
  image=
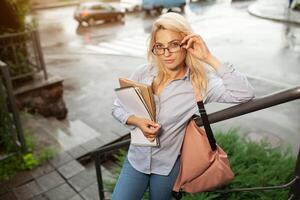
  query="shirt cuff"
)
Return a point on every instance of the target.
[
  {"x": 224, "y": 68},
  {"x": 124, "y": 120}
]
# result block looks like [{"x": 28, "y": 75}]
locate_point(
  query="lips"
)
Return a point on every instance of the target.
[{"x": 169, "y": 61}]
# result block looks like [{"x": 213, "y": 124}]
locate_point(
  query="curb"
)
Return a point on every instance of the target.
[
  {"x": 54, "y": 5},
  {"x": 61, "y": 4},
  {"x": 253, "y": 10}
]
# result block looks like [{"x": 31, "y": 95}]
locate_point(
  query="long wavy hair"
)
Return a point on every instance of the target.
[{"x": 177, "y": 23}]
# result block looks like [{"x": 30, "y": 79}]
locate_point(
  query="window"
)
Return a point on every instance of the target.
[{"x": 98, "y": 7}]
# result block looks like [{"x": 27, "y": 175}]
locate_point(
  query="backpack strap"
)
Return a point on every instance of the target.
[
  {"x": 207, "y": 127},
  {"x": 204, "y": 117}
]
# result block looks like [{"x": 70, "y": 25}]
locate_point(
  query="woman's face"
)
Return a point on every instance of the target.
[{"x": 173, "y": 57}]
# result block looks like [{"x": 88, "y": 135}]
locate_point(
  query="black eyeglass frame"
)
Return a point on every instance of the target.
[{"x": 164, "y": 48}]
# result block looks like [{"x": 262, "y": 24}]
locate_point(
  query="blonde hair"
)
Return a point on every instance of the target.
[{"x": 177, "y": 23}]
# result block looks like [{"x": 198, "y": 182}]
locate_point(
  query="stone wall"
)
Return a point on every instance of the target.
[{"x": 45, "y": 98}]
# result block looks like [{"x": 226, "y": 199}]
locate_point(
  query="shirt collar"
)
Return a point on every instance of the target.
[{"x": 187, "y": 74}]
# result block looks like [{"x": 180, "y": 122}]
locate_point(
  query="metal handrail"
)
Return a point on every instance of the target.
[
  {"x": 4, "y": 72},
  {"x": 260, "y": 188},
  {"x": 253, "y": 105}
]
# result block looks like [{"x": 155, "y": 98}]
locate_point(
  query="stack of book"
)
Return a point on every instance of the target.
[{"x": 137, "y": 98}]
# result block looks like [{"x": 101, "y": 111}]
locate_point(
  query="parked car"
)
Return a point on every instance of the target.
[
  {"x": 131, "y": 5},
  {"x": 158, "y": 5},
  {"x": 90, "y": 12}
]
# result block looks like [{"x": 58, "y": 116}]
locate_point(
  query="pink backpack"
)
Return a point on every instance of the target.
[{"x": 203, "y": 164}]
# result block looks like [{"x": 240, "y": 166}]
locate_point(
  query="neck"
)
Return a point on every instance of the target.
[{"x": 178, "y": 72}]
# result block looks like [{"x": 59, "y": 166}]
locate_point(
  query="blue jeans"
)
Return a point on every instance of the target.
[{"x": 132, "y": 184}]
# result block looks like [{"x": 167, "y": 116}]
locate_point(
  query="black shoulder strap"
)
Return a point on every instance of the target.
[{"x": 209, "y": 133}]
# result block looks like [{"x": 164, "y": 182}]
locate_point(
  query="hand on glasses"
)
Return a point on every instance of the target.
[{"x": 194, "y": 44}]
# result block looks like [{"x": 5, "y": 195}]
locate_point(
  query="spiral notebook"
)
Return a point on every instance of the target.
[{"x": 132, "y": 100}]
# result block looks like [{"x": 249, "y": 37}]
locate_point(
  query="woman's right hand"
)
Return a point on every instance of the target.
[{"x": 149, "y": 128}]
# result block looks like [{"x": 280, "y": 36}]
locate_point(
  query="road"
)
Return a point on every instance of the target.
[{"x": 92, "y": 58}]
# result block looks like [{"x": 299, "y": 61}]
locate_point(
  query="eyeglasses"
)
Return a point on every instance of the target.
[{"x": 173, "y": 47}]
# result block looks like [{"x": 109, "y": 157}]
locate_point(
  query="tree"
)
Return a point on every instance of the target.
[
  {"x": 13, "y": 14},
  {"x": 13, "y": 49}
]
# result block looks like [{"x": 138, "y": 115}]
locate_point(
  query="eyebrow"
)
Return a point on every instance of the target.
[{"x": 168, "y": 42}]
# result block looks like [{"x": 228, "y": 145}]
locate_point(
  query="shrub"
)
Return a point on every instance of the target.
[{"x": 13, "y": 15}]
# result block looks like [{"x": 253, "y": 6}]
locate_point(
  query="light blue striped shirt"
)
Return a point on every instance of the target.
[{"x": 174, "y": 107}]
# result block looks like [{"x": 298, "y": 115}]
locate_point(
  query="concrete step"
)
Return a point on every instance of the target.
[
  {"x": 34, "y": 128},
  {"x": 74, "y": 136}
]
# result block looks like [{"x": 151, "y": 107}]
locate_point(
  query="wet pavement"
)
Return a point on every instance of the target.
[{"x": 275, "y": 10}]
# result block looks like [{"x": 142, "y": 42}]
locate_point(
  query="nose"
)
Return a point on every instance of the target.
[{"x": 167, "y": 52}]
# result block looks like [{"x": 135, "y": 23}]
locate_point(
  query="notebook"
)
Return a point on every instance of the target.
[
  {"x": 146, "y": 92},
  {"x": 132, "y": 100}
]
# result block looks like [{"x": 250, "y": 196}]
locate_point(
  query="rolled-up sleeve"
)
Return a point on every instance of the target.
[
  {"x": 118, "y": 111},
  {"x": 120, "y": 114},
  {"x": 228, "y": 85}
]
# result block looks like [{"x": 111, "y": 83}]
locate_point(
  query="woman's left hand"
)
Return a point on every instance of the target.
[{"x": 194, "y": 44}]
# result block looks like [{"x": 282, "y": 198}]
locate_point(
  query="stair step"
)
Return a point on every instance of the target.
[
  {"x": 40, "y": 132},
  {"x": 73, "y": 136},
  {"x": 68, "y": 134},
  {"x": 37, "y": 83}
]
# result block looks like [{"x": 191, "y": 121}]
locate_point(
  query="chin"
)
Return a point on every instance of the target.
[{"x": 171, "y": 66}]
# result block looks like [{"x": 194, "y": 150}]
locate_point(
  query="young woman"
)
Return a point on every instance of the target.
[{"x": 179, "y": 64}]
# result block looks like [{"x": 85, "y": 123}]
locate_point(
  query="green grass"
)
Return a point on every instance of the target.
[
  {"x": 35, "y": 156},
  {"x": 254, "y": 164}
]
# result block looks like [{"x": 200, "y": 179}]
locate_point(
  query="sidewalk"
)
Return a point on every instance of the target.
[
  {"x": 40, "y": 4},
  {"x": 63, "y": 178},
  {"x": 43, "y": 4},
  {"x": 274, "y": 10}
]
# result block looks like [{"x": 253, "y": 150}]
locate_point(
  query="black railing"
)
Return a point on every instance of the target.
[
  {"x": 22, "y": 53},
  {"x": 15, "y": 128},
  {"x": 228, "y": 113}
]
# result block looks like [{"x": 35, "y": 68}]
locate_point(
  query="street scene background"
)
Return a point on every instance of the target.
[
  {"x": 64, "y": 111},
  {"x": 91, "y": 59}
]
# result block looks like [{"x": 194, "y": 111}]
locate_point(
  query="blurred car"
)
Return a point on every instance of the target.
[
  {"x": 90, "y": 12},
  {"x": 158, "y": 5},
  {"x": 131, "y": 5}
]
